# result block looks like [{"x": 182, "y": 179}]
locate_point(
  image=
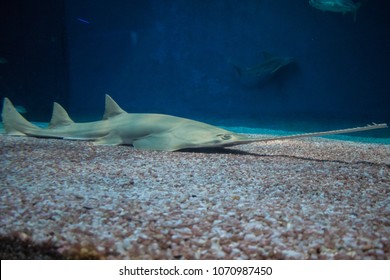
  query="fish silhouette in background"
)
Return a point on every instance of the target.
[
  {"x": 337, "y": 6},
  {"x": 269, "y": 66}
]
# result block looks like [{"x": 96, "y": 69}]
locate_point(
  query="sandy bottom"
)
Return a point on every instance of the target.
[{"x": 297, "y": 199}]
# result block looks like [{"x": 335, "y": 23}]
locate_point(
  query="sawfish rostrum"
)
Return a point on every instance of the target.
[{"x": 143, "y": 131}]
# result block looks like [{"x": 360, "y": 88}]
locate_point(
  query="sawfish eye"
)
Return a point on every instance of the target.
[{"x": 225, "y": 136}]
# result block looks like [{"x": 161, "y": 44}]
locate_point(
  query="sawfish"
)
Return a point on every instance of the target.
[{"x": 142, "y": 131}]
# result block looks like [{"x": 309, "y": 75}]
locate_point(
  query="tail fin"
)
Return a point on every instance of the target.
[{"x": 14, "y": 122}]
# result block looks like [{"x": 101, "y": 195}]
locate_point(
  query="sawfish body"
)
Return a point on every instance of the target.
[{"x": 143, "y": 131}]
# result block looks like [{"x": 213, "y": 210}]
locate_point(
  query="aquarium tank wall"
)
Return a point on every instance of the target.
[
  {"x": 33, "y": 55},
  {"x": 204, "y": 60}
]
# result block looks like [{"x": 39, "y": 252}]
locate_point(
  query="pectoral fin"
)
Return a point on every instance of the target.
[
  {"x": 109, "y": 139},
  {"x": 159, "y": 142}
]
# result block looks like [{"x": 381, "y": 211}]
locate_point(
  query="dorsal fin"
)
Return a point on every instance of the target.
[
  {"x": 112, "y": 108},
  {"x": 60, "y": 117},
  {"x": 267, "y": 55}
]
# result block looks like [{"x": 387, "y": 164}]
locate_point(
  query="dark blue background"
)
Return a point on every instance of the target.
[{"x": 172, "y": 57}]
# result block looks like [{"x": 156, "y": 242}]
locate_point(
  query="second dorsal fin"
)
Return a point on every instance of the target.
[
  {"x": 60, "y": 117},
  {"x": 112, "y": 108}
]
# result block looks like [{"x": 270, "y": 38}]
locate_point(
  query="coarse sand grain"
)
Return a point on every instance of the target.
[{"x": 298, "y": 199}]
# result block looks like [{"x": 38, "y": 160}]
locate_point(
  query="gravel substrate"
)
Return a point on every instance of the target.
[{"x": 297, "y": 199}]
